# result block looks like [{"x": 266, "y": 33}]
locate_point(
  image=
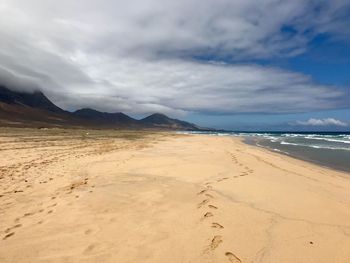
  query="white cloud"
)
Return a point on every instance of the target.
[
  {"x": 137, "y": 56},
  {"x": 228, "y": 27},
  {"x": 323, "y": 122}
]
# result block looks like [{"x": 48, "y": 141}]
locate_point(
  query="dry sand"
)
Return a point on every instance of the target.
[{"x": 138, "y": 197}]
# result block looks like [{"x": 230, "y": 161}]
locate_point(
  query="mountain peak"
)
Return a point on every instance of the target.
[
  {"x": 34, "y": 108},
  {"x": 162, "y": 121},
  {"x": 35, "y": 99},
  {"x": 112, "y": 118}
]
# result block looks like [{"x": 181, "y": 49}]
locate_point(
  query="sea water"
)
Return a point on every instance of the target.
[{"x": 330, "y": 149}]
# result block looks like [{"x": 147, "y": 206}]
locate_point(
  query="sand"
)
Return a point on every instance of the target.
[{"x": 156, "y": 197}]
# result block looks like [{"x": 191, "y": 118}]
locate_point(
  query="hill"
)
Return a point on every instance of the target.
[
  {"x": 163, "y": 121},
  {"x": 34, "y": 109}
]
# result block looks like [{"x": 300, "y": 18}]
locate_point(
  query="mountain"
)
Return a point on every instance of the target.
[
  {"x": 117, "y": 118},
  {"x": 30, "y": 109},
  {"x": 35, "y": 99},
  {"x": 34, "y": 109},
  {"x": 162, "y": 121}
]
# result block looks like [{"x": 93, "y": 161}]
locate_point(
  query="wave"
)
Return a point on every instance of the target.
[
  {"x": 330, "y": 140},
  {"x": 327, "y": 141},
  {"x": 328, "y": 147}
]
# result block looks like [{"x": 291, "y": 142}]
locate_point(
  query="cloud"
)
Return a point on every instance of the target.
[
  {"x": 138, "y": 56},
  {"x": 185, "y": 27},
  {"x": 323, "y": 122}
]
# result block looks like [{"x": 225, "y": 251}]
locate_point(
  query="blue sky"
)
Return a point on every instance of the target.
[
  {"x": 230, "y": 64},
  {"x": 326, "y": 60}
]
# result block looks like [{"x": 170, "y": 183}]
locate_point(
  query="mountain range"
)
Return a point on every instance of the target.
[{"x": 34, "y": 109}]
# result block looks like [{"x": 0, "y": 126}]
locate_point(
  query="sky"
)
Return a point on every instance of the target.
[{"x": 227, "y": 64}]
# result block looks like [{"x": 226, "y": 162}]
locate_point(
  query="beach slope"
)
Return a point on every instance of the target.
[{"x": 161, "y": 197}]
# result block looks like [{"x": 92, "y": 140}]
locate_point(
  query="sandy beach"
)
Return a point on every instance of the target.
[{"x": 94, "y": 196}]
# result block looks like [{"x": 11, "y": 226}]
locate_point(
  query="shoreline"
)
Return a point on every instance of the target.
[
  {"x": 295, "y": 156},
  {"x": 154, "y": 197}
]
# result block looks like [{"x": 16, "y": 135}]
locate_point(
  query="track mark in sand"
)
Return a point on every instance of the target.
[
  {"x": 8, "y": 235},
  {"x": 212, "y": 206},
  {"x": 89, "y": 248},
  {"x": 202, "y": 192},
  {"x": 10, "y": 228},
  {"x": 208, "y": 214},
  {"x": 209, "y": 195},
  {"x": 232, "y": 257},
  {"x": 203, "y": 203},
  {"x": 28, "y": 214},
  {"x": 215, "y": 242},
  {"x": 222, "y": 179},
  {"x": 216, "y": 225},
  {"x": 88, "y": 231}
]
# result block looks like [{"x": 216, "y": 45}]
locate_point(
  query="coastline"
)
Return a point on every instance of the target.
[
  {"x": 155, "y": 197},
  {"x": 296, "y": 156}
]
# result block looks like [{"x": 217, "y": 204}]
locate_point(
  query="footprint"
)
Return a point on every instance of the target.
[
  {"x": 216, "y": 225},
  {"x": 10, "y": 228},
  {"x": 8, "y": 235},
  {"x": 208, "y": 214},
  {"x": 215, "y": 242},
  {"x": 203, "y": 203},
  {"x": 212, "y": 206},
  {"x": 232, "y": 257},
  {"x": 89, "y": 248},
  {"x": 28, "y": 214},
  {"x": 202, "y": 192},
  {"x": 209, "y": 195},
  {"x": 88, "y": 231},
  {"x": 222, "y": 179}
]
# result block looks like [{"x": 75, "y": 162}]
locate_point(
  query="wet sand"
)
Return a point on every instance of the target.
[{"x": 76, "y": 196}]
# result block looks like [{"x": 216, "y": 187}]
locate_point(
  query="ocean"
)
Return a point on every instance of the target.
[{"x": 330, "y": 149}]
